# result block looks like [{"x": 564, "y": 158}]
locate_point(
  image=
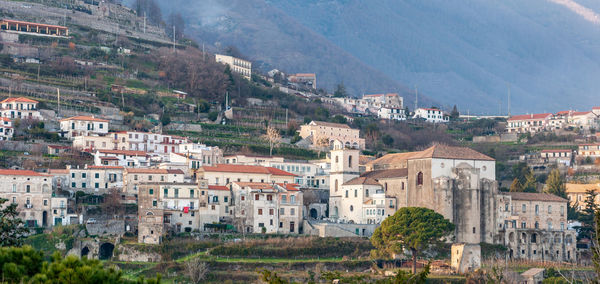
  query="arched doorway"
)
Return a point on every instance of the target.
[
  {"x": 313, "y": 213},
  {"x": 45, "y": 219},
  {"x": 335, "y": 212},
  {"x": 106, "y": 251},
  {"x": 85, "y": 251}
]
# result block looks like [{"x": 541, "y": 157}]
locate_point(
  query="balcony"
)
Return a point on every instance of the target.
[{"x": 29, "y": 206}]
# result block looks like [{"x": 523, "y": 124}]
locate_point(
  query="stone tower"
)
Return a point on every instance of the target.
[{"x": 344, "y": 167}]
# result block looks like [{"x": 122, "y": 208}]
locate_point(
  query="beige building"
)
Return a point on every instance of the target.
[
  {"x": 151, "y": 226},
  {"x": 215, "y": 204},
  {"x": 94, "y": 179},
  {"x": 267, "y": 207},
  {"x": 317, "y": 130},
  {"x": 577, "y": 193},
  {"x": 32, "y": 192},
  {"x": 537, "y": 228},
  {"x": 237, "y": 65},
  {"x": 558, "y": 156},
  {"x": 20, "y": 108},
  {"x": 132, "y": 177},
  {"x": 591, "y": 150},
  {"x": 224, "y": 174},
  {"x": 83, "y": 126},
  {"x": 529, "y": 123}
]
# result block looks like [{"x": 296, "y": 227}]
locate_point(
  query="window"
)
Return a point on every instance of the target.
[
  {"x": 293, "y": 199},
  {"x": 14, "y": 187},
  {"x": 562, "y": 211},
  {"x": 271, "y": 211},
  {"x": 73, "y": 185},
  {"x": 154, "y": 203},
  {"x": 549, "y": 209},
  {"x": 151, "y": 191},
  {"x": 420, "y": 178},
  {"x": 562, "y": 226},
  {"x": 191, "y": 193},
  {"x": 226, "y": 199},
  {"x": 96, "y": 185},
  {"x": 336, "y": 185},
  {"x": 282, "y": 211},
  {"x": 537, "y": 209},
  {"x": 284, "y": 199},
  {"x": 367, "y": 192},
  {"x": 350, "y": 161},
  {"x": 280, "y": 224},
  {"x": 269, "y": 197},
  {"x": 259, "y": 211},
  {"x": 83, "y": 185},
  {"x": 355, "y": 193},
  {"x": 537, "y": 225},
  {"x": 83, "y": 175},
  {"x": 166, "y": 192},
  {"x": 524, "y": 208},
  {"x": 523, "y": 225},
  {"x": 346, "y": 193},
  {"x": 292, "y": 211},
  {"x": 351, "y": 208},
  {"x": 215, "y": 199},
  {"x": 28, "y": 188},
  {"x": 243, "y": 197},
  {"x": 256, "y": 197},
  {"x": 45, "y": 201}
]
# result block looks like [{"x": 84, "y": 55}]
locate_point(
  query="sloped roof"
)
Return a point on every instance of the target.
[
  {"x": 557, "y": 151},
  {"x": 582, "y": 187},
  {"x": 382, "y": 174},
  {"x": 84, "y": 118},
  {"x": 124, "y": 152},
  {"x": 290, "y": 186},
  {"x": 19, "y": 100},
  {"x": 531, "y": 196},
  {"x": 7, "y": 172},
  {"x": 530, "y": 116},
  {"x": 362, "y": 181},
  {"x": 153, "y": 171},
  {"x": 437, "y": 151},
  {"x": 106, "y": 167},
  {"x": 330, "y": 124},
  {"x": 246, "y": 169},
  {"x": 255, "y": 185},
  {"x": 217, "y": 187},
  {"x": 578, "y": 113}
]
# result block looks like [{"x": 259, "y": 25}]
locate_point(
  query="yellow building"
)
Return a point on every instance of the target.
[
  {"x": 577, "y": 193},
  {"x": 317, "y": 130}
]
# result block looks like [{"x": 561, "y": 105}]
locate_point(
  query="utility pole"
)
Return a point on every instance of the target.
[
  {"x": 144, "y": 21},
  {"x": 173, "y": 38},
  {"x": 203, "y": 53},
  {"x": 58, "y": 100},
  {"x": 508, "y": 100},
  {"x": 416, "y": 98},
  {"x": 286, "y": 118}
]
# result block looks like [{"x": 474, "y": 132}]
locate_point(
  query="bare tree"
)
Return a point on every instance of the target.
[
  {"x": 196, "y": 270},
  {"x": 112, "y": 205},
  {"x": 273, "y": 137},
  {"x": 321, "y": 143}
]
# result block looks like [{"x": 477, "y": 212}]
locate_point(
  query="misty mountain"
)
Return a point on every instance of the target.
[{"x": 467, "y": 53}]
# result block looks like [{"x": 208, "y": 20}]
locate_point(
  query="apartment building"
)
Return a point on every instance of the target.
[
  {"x": 194, "y": 156},
  {"x": 83, "y": 126},
  {"x": 536, "y": 228},
  {"x": 305, "y": 171},
  {"x": 528, "y": 123},
  {"x": 317, "y": 130},
  {"x": 306, "y": 80},
  {"x": 215, "y": 204},
  {"x": 584, "y": 120},
  {"x": 122, "y": 158},
  {"x": 267, "y": 207},
  {"x": 131, "y": 141},
  {"x": 364, "y": 201},
  {"x": 432, "y": 115},
  {"x": 391, "y": 113},
  {"x": 20, "y": 108},
  {"x": 6, "y": 129},
  {"x": 132, "y": 177},
  {"x": 224, "y": 174},
  {"x": 237, "y": 65},
  {"x": 558, "y": 156},
  {"x": 591, "y": 150},
  {"x": 390, "y": 99},
  {"x": 32, "y": 192},
  {"x": 94, "y": 179}
]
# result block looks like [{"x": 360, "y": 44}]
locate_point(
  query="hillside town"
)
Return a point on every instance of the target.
[{"x": 125, "y": 159}]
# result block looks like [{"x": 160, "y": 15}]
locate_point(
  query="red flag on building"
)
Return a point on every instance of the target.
[{"x": 186, "y": 209}]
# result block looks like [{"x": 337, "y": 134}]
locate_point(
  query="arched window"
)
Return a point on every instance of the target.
[
  {"x": 534, "y": 238},
  {"x": 336, "y": 185},
  {"x": 402, "y": 185},
  {"x": 335, "y": 211},
  {"x": 420, "y": 178},
  {"x": 149, "y": 213},
  {"x": 337, "y": 159},
  {"x": 349, "y": 161},
  {"x": 385, "y": 187},
  {"x": 351, "y": 208},
  {"x": 366, "y": 192}
]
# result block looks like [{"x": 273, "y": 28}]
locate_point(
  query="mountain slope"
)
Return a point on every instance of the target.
[
  {"x": 469, "y": 52},
  {"x": 273, "y": 39}
]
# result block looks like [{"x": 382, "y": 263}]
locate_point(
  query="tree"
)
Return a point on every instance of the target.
[
  {"x": 340, "y": 91},
  {"x": 596, "y": 242},
  {"x": 530, "y": 184},
  {"x": 387, "y": 140},
  {"x": 175, "y": 20},
  {"x": 454, "y": 114},
  {"x": 196, "y": 270},
  {"x": 587, "y": 215},
  {"x": 556, "y": 185},
  {"x": 12, "y": 228},
  {"x": 411, "y": 228},
  {"x": 321, "y": 143},
  {"x": 516, "y": 186},
  {"x": 112, "y": 205},
  {"x": 273, "y": 137}
]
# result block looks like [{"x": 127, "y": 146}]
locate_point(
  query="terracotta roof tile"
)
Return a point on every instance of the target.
[
  {"x": 217, "y": 187},
  {"x": 530, "y": 196},
  {"x": 19, "y": 100},
  {"x": 84, "y": 118},
  {"x": 7, "y": 172},
  {"x": 381, "y": 174},
  {"x": 124, "y": 152},
  {"x": 362, "y": 181},
  {"x": 106, "y": 167},
  {"x": 530, "y": 116}
]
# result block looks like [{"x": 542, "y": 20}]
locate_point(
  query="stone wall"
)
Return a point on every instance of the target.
[
  {"x": 109, "y": 227},
  {"x": 131, "y": 253}
]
